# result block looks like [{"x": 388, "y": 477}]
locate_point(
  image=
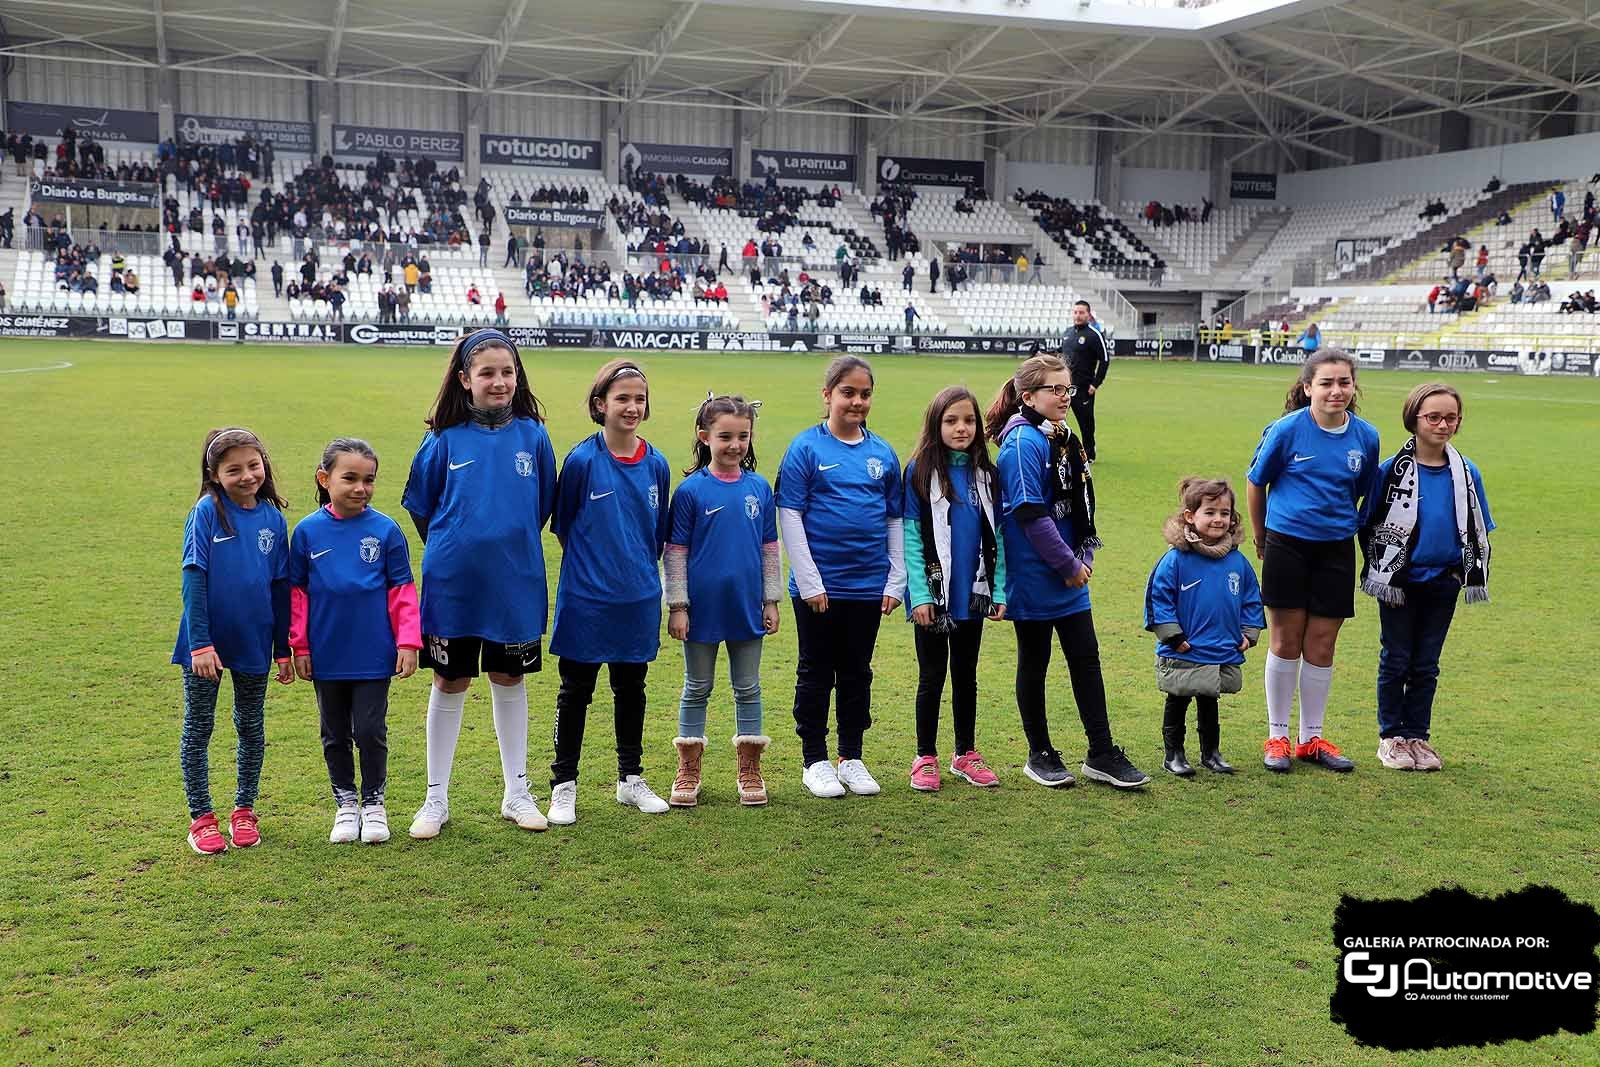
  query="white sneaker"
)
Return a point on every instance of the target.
[
  {"x": 564, "y": 804},
  {"x": 346, "y": 826},
  {"x": 374, "y": 824},
  {"x": 433, "y": 814},
  {"x": 822, "y": 780},
  {"x": 635, "y": 792},
  {"x": 854, "y": 774},
  {"x": 523, "y": 811}
]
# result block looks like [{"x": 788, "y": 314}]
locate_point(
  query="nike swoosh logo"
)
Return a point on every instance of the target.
[
  {"x": 218, "y": 540},
  {"x": 826, "y": 467},
  {"x": 713, "y": 511},
  {"x": 458, "y": 466},
  {"x": 1191, "y": 585},
  {"x": 319, "y": 555},
  {"x": 598, "y": 496},
  {"x": 1301, "y": 459}
]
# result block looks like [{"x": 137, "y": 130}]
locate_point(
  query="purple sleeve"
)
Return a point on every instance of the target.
[{"x": 1046, "y": 540}]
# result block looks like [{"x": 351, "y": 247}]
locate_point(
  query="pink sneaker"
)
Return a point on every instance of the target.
[
  {"x": 925, "y": 774},
  {"x": 204, "y": 837},
  {"x": 972, "y": 768},
  {"x": 242, "y": 828}
]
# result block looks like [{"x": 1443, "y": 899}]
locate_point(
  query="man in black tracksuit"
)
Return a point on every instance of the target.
[{"x": 1084, "y": 351}]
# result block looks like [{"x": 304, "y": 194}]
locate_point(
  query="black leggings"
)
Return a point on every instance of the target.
[
  {"x": 957, "y": 650},
  {"x": 1082, "y": 651},
  {"x": 1207, "y": 723},
  {"x": 572, "y": 713},
  {"x": 355, "y": 711},
  {"x": 835, "y": 658}
]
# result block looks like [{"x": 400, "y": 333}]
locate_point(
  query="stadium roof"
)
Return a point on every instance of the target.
[{"x": 1258, "y": 71}]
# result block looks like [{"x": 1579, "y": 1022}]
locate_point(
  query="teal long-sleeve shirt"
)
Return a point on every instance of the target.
[{"x": 915, "y": 550}]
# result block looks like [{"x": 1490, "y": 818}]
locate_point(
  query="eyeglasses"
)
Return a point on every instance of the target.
[
  {"x": 1059, "y": 390},
  {"x": 1435, "y": 418}
]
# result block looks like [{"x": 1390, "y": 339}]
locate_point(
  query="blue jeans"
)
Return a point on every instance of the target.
[
  {"x": 699, "y": 672},
  {"x": 1412, "y": 636}
]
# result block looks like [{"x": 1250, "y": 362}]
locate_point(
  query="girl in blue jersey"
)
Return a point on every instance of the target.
[
  {"x": 724, "y": 580},
  {"x": 482, "y": 486},
  {"x": 611, "y": 519},
  {"x": 235, "y": 618},
  {"x": 1319, "y": 461},
  {"x": 839, "y": 499},
  {"x": 1050, "y": 539},
  {"x": 1204, "y": 606},
  {"x": 1425, "y": 536},
  {"x": 955, "y": 577},
  {"x": 353, "y": 612}
]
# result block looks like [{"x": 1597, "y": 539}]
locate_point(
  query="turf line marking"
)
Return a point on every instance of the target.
[{"x": 62, "y": 365}]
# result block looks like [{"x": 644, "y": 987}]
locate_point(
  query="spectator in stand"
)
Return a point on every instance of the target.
[
  {"x": 1458, "y": 258},
  {"x": 336, "y": 299},
  {"x": 933, "y": 274},
  {"x": 483, "y": 247},
  {"x": 1309, "y": 341},
  {"x": 402, "y": 303},
  {"x": 412, "y": 275},
  {"x": 1517, "y": 292},
  {"x": 1493, "y": 186},
  {"x": 1433, "y": 297},
  {"x": 1482, "y": 261},
  {"x": 865, "y": 296},
  {"x": 277, "y": 279},
  {"x": 500, "y": 309},
  {"x": 908, "y": 277},
  {"x": 911, "y": 316},
  {"x": 1558, "y": 204},
  {"x": 1504, "y": 219},
  {"x": 1434, "y": 209},
  {"x": 513, "y": 253},
  {"x": 1536, "y": 246}
]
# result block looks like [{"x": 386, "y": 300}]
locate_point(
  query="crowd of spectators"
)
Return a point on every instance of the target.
[
  {"x": 1580, "y": 303},
  {"x": 893, "y": 206},
  {"x": 1158, "y": 214}
]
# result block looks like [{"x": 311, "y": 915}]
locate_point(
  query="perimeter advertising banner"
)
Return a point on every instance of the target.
[
  {"x": 440, "y": 145},
  {"x": 285, "y": 136},
  {"x": 95, "y": 194},
  {"x": 788, "y": 165},
  {"x": 676, "y": 159},
  {"x": 569, "y": 218},
  {"x": 549, "y": 153},
  {"x": 920, "y": 171},
  {"x": 101, "y": 123}
]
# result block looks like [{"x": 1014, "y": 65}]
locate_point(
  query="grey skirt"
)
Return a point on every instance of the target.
[{"x": 1181, "y": 678}]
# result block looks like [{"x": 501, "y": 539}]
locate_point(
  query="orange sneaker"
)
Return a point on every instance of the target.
[
  {"x": 1326, "y": 753},
  {"x": 242, "y": 828},
  {"x": 1277, "y": 754}
]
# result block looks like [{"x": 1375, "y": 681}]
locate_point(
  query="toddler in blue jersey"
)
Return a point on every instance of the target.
[
  {"x": 955, "y": 577},
  {"x": 482, "y": 486},
  {"x": 353, "y": 624},
  {"x": 1425, "y": 537},
  {"x": 611, "y": 520},
  {"x": 839, "y": 502},
  {"x": 1311, "y": 471},
  {"x": 235, "y": 618},
  {"x": 1204, "y": 606},
  {"x": 724, "y": 580}
]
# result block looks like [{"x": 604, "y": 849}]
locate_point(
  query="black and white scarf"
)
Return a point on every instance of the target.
[
  {"x": 934, "y": 515},
  {"x": 1388, "y": 539},
  {"x": 1072, "y": 486}
]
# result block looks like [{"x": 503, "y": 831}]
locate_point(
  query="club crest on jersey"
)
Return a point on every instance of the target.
[
  {"x": 369, "y": 550},
  {"x": 972, "y": 494},
  {"x": 655, "y": 496},
  {"x": 874, "y": 468},
  {"x": 1233, "y": 582},
  {"x": 1353, "y": 458},
  {"x": 752, "y": 507},
  {"x": 525, "y": 463},
  {"x": 264, "y": 541}
]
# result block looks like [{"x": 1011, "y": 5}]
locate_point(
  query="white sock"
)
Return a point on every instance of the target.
[
  {"x": 444, "y": 726},
  {"x": 1282, "y": 677},
  {"x": 1314, "y": 685},
  {"x": 511, "y": 727}
]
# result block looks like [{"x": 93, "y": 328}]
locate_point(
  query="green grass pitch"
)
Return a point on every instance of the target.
[{"x": 1189, "y": 923}]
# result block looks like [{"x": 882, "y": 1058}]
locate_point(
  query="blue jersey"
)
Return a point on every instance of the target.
[
  {"x": 1317, "y": 477},
  {"x": 347, "y": 567},
  {"x": 483, "y": 496},
  {"x": 966, "y": 539},
  {"x": 724, "y": 526},
  {"x": 1211, "y": 600},
  {"x": 1034, "y": 591},
  {"x": 611, "y": 519},
  {"x": 240, "y": 568},
  {"x": 1437, "y": 549},
  {"x": 845, "y": 494}
]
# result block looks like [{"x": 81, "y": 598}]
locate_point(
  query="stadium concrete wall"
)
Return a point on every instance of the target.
[
  {"x": 544, "y": 116},
  {"x": 668, "y": 124},
  {"x": 414, "y": 106},
  {"x": 243, "y": 94},
  {"x": 1560, "y": 157},
  {"x": 52, "y": 77}
]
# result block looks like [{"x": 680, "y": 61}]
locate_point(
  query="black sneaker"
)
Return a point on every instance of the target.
[
  {"x": 1046, "y": 768},
  {"x": 1112, "y": 768}
]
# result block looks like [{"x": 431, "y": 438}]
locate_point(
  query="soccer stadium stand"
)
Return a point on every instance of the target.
[{"x": 1094, "y": 237}]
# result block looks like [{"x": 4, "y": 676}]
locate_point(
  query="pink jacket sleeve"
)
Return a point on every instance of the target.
[
  {"x": 299, "y": 609},
  {"x": 404, "y": 618}
]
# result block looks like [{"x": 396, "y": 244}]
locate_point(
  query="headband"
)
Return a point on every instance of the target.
[
  {"x": 480, "y": 338},
  {"x": 249, "y": 439}
]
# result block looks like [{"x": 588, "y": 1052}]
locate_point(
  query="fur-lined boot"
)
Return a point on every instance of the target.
[
  {"x": 752, "y": 789},
  {"x": 686, "y": 785}
]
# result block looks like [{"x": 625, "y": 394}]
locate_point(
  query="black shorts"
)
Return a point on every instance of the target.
[
  {"x": 460, "y": 657},
  {"x": 1317, "y": 577}
]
